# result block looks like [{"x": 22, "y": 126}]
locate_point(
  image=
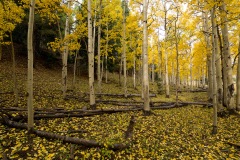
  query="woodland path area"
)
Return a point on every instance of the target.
[{"x": 116, "y": 130}]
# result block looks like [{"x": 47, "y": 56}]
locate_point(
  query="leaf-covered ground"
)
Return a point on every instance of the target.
[{"x": 179, "y": 133}]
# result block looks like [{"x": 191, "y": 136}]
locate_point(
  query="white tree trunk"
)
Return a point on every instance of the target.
[
  {"x": 1, "y": 51},
  {"x": 159, "y": 59},
  {"x": 90, "y": 59},
  {"x": 214, "y": 75},
  {"x": 191, "y": 77},
  {"x": 106, "y": 69},
  {"x": 166, "y": 54},
  {"x": 94, "y": 26},
  {"x": 177, "y": 59},
  {"x": 134, "y": 71},
  {"x": 217, "y": 62},
  {"x": 99, "y": 50},
  {"x": 124, "y": 49},
  {"x": 102, "y": 66},
  {"x": 153, "y": 73},
  {"x": 145, "y": 59},
  {"x": 227, "y": 57},
  {"x": 30, "y": 66},
  {"x": 106, "y": 57},
  {"x": 238, "y": 76},
  {"x": 209, "y": 58},
  {"x": 120, "y": 70},
  {"x": 65, "y": 57}
]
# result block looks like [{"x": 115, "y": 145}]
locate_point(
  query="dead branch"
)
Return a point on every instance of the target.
[
  {"x": 122, "y": 95},
  {"x": 60, "y": 113},
  {"x": 6, "y": 92},
  {"x": 73, "y": 140},
  {"x": 237, "y": 145}
]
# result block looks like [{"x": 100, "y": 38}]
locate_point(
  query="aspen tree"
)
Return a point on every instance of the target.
[
  {"x": 217, "y": 62},
  {"x": 238, "y": 76},
  {"x": 227, "y": 57},
  {"x": 106, "y": 55},
  {"x": 214, "y": 131},
  {"x": 30, "y": 66},
  {"x": 1, "y": 51},
  {"x": 165, "y": 49},
  {"x": 65, "y": 56},
  {"x": 177, "y": 57},
  {"x": 90, "y": 58},
  {"x": 124, "y": 50},
  {"x": 10, "y": 15},
  {"x": 209, "y": 58},
  {"x": 145, "y": 61},
  {"x": 99, "y": 48}
]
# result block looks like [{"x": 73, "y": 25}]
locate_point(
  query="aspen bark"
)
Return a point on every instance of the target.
[
  {"x": 217, "y": 62},
  {"x": 209, "y": 58},
  {"x": 224, "y": 71},
  {"x": 1, "y": 52},
  {"x": 106, "y": 57},
  {"x": 90, "y": 58},
  {"x": 191, "y": 77},
  {"x": 65, "y": 57},
  {"x": 99, "y": 49},
  {"x": 166, "y": 54},
  {"x": 159, "y": 60},
  {"x": 145, "y": 60},
  {"x": 94, "y": 26},
  {"x": 120, "y": 70},
  {"x": 134, "y": 71},
  {"x": 214, "y": 131},
  {"x": 124, "y": 49},
  {"x": 177, "y": 59},
  {"x": 30, "y": 67},
  {"x": 238, "y": 76},
  {"x": 227, "y": 58},
  {"x": 153, "y": 73}
]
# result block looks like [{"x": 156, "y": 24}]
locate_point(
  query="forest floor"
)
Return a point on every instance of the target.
[{"x": 177, "y": 133}]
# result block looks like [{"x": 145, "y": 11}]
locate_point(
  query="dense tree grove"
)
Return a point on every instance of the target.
[{"x": 164, "y": 46}]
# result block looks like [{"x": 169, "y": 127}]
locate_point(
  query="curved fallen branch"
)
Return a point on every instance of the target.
[{"x": 74, "y": 140}]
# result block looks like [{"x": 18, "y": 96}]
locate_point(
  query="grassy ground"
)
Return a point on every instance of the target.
[{"x": 179, "y": 133}]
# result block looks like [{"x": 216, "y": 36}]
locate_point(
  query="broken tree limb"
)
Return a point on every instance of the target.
[{"x": 74, "y": 140}]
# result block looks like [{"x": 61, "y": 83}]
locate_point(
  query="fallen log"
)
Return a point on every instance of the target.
[
  {"x": 122, "y": 95},
  {"x": 193, "y": 91},
  {"x": 9, "y": 92},
  {"x": 85, "y": 113},
  {"x": 196, "y": 103},
  {"x": 237, "y": 145},
  {"x": 74, "y": 140},
  {"x": 80, "y": 113}
]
